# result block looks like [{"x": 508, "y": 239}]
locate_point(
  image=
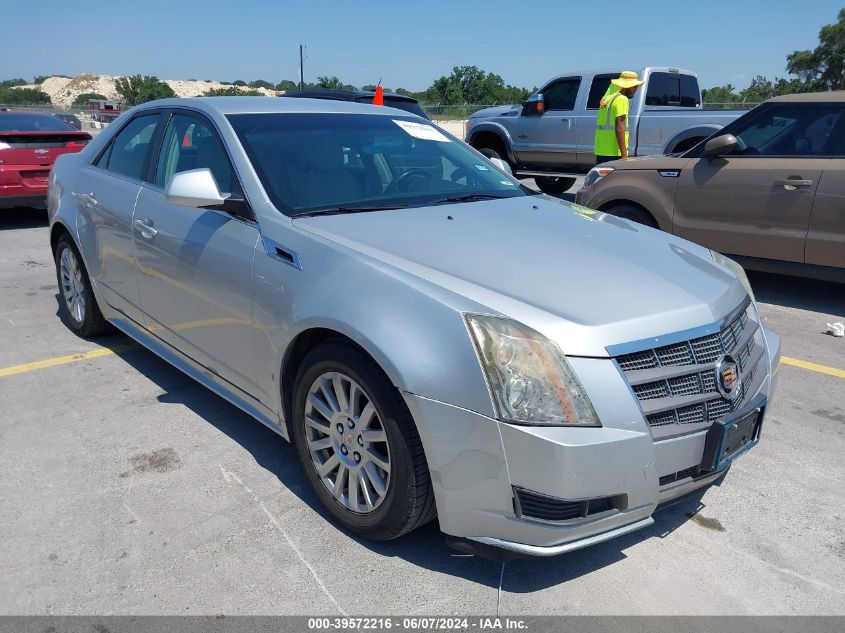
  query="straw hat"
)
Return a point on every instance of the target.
[{"x": 628, "y": 79}]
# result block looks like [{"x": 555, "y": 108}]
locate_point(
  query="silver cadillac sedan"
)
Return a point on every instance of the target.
[{"x": 436, "y": 339}]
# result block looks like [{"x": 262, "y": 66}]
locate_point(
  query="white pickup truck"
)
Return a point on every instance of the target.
[{"x": 550, "y": 137}]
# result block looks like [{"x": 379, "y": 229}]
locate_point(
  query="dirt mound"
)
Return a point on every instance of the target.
[{"x": 63, "y": 91}]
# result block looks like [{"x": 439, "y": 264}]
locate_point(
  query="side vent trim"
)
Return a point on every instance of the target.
[{"x": 281, "y": 253}]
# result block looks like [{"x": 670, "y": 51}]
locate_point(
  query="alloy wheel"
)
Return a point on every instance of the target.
[
  {"x": 73, "y": 285},
  {"x": 347, "y": 442}
]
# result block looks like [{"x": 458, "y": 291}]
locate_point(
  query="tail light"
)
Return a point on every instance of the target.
[{"x": 77, "y": 144}]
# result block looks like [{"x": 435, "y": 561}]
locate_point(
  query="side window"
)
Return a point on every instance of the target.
[
  {"x": 690, "y": 93},
  {"x": 663, "y": 90},
  {"x": 189, "y": 143},
  {"x": 127, "y": 154},
  {"x": 597, "y": 89},
  {"x": 792, "y": 129},
  {"x": 561, "y": 94}
]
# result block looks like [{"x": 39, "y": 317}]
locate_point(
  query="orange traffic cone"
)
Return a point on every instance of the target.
[{"x": 379, "y": 98}]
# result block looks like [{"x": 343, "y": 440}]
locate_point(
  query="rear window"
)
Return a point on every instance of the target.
[
  {"x": 408, "y": 106},
  {"x": 20, "y": 122},
  {"x": 672, "y": 89}
]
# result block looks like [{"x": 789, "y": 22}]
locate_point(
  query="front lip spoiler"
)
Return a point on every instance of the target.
[{"x": 563, "y": 548}]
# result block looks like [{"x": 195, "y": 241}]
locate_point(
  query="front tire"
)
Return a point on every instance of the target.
[
  {"x": 78, "y": 305},
  {"x": 359, "y": 445},
  {"x": 553, "y": 185}
]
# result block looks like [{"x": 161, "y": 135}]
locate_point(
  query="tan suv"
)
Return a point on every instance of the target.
[{"x": 769, "y": 188}]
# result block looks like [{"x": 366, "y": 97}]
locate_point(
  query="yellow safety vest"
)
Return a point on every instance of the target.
[{"x": 606, "y": 144}]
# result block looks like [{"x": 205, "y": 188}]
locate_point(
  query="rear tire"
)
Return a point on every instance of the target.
[
  {"x": 553, "y": 185},
  {"x": 378, "y": 451},
  {"x": 633, "y": 213},
  {"x": 77, "y": 302}
]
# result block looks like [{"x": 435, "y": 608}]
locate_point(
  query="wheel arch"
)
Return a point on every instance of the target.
[
  {"x": 492, "y": 131},
  {"x": 620, "y": 201},
  {"x": 299, "y": 347},
  {"x": 700, "y": 131},
  {"x": 56, "y": 231}
]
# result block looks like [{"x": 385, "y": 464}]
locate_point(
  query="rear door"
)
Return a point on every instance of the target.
[
  {"x": 757, "y": 201},
  {"x": 826, "y": 236},
  {"x": 196, "y": 263},
  {"x": 105, "y": 194},
  {"x": 550, "y": 140}
]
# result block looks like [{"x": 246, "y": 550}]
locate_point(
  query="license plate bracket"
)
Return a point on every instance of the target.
[{"x": 729, "y": 438}]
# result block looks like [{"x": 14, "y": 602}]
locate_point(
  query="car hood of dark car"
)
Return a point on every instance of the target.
[{"x": 583, "y": 278}]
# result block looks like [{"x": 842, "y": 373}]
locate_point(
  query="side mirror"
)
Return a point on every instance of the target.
[
  {"x": 194, "y": 188},
  {"x": 502, "y": 165},
  {"x": 721, "y": 145},
  {"x": 535, "y": 106}
]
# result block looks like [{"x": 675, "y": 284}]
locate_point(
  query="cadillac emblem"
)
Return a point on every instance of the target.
[{"x": 728, "y": 379}]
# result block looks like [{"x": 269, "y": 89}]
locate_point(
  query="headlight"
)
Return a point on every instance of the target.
[
  {"x": 596, "y": 174},
  {"x": 529, "y": 378},
  {"x": 736, "y": 269}
]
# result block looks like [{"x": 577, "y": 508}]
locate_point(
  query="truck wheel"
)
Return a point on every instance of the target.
[
  {"x": 552, "y": 185},
  {"x": 633, "y": 213}
]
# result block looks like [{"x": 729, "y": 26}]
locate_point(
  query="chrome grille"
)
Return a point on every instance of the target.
[{"x": 676, "y": 383}]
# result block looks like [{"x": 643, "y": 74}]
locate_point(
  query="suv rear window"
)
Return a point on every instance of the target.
[
  {"x": 408, "y": 106},
  {"x": 672, "y": 89}
]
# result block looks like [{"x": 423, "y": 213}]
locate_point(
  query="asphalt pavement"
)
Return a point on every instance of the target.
[{"x": 127, "y": 488}]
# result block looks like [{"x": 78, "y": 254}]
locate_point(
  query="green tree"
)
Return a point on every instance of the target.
[
  {"x": 232, "y": 91},
  {"x": 82, "y": 99},
  {"x": 287, "y": 85},
  {"x": 239, "y": 82},
  {"x": 23, "y": 96},
  {"x": 8, "y": 83},
  {"x": 823, "y": 68},
  {"x": 470, "y": 84},
  {"x": 137, "y": 89},
  {"x": 332, "y": 83},
  {"x": 261, "y": 83}
]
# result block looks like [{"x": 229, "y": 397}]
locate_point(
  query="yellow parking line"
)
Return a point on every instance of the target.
[
  {"x": 62, "y": 360},
  {"x": 822, "y": 369}
]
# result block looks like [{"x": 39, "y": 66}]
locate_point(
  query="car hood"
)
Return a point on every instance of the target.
[{"x": 583, "y": 278}]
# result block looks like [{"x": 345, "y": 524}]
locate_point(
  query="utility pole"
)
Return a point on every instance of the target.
[{"x": 301, "y": 70}]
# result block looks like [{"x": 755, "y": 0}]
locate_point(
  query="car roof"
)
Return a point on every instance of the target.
[
  {"x": 262, "y": 105},
  {"x": 326, "y": 93},
  {"x": 832, "y": 96}
]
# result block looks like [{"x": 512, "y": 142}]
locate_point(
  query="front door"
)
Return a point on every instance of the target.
[
  {"x": 196, "y": 263},
  {"x": 550, "y": 141},
  {"x": 105, "y": 197},
  {"x": 756, "y": 202}
]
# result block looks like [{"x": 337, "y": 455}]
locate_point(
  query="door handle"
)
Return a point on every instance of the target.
[
  {"x": 567, "y": 122},
  {"x": 145, "y": 226},
  {"x": 791, "y": 184}
]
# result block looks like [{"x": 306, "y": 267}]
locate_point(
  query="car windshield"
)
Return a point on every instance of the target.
[
  {"x": 346, "y": 162},
  {"x": 21, "y": 122}
]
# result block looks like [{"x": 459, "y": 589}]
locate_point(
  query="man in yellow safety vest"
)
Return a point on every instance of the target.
[{"x": 612, "y": 121}]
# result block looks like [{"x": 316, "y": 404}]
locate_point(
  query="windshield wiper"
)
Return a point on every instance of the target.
[
  {"x": 470, "y": 197},
  {"x": 350, "y": 209}
]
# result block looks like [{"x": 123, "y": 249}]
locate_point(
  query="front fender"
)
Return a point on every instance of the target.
[
  {"x": 646, "y": 188},
  {"x": 413, "y": 329},
  {"x": 495, "y": 128}
]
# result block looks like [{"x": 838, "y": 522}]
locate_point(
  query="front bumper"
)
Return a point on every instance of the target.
[{"x": 477, "y": 463}]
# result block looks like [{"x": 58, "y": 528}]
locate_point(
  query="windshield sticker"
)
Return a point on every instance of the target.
[
  {"x": 482, "y": 168},
  {"x": 422, "y": 131}
]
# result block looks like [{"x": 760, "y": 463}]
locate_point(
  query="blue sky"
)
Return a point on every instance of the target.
[{"x": 408, "y": 44}]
